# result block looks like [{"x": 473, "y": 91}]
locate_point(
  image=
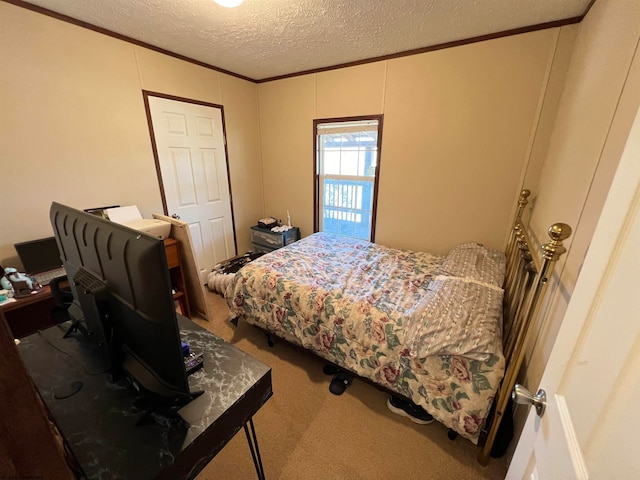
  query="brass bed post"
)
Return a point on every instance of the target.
[
  {"x": 517, "y": 258},
  {"x": 518, "y": 289},
  {"x": 551, "y": 251},
  {"x": 514, "y": 262},
  {"x": 514, "y": 313},
  {"x": 511, "y": 245}
]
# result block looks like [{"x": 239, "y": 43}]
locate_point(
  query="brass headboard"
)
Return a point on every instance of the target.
[{"x": 526, "y": 280}]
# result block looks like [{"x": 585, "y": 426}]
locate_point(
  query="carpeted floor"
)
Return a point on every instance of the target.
[{"x": 305, "y": 432}]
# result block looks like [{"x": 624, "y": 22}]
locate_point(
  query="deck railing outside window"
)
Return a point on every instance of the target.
[{"x": 347, "y": 207}]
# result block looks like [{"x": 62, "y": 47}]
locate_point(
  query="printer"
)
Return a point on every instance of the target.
[{"x": 131, "y": 217}]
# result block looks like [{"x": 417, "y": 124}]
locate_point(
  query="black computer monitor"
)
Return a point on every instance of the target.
[{"x": 123, "y": 277}]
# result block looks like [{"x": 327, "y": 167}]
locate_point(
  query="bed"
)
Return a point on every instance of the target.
[{"x": 444, "y": 331}]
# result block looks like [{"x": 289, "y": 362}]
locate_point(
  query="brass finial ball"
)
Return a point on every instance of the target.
[{"x": 559, "y": 232}]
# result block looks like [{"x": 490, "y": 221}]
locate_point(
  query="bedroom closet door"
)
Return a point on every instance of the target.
[
  {"x": 592, "y": 381},
  {"x": 191, "y": 157}
]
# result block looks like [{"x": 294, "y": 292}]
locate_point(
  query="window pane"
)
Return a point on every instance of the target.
[
  {"x": 347, "y": 158},
  {"x": 347, "y": 207},
  {"x": 349, "y": 162},
  {"x": 331, "y": 163}
]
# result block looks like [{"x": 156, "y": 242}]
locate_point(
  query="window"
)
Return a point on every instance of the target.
[{"x": 347, "y": 162}]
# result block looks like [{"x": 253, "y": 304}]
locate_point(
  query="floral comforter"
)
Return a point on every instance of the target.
[{"x": 425, "y": 326}]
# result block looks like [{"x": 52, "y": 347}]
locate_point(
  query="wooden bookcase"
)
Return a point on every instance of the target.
[{"x": 172, "y": 250}]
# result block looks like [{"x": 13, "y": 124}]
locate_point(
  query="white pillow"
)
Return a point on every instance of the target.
[{"x": 475, "y": 262}]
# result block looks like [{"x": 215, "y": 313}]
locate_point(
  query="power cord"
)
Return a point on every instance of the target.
[{"x": 92, "y": 374}]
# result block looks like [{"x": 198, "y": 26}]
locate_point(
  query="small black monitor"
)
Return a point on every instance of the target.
[{"x": 123, "y": 277}]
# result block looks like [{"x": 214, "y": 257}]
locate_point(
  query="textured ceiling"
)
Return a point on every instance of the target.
[{"x": 268, "y": 38}]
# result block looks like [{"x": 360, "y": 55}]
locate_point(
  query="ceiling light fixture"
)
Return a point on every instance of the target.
[{"x": 228, "y": 3}]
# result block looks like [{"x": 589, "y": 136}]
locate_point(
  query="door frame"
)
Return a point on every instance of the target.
[{"x": 148, "y": 93}]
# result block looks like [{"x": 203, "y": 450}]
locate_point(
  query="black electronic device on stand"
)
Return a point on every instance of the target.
[{"x": 121, "y": 279}]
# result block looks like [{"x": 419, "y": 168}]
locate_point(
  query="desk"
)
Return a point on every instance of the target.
[
  {"x": 98, "y": 422},
  {"x": 30, "y": 314}
]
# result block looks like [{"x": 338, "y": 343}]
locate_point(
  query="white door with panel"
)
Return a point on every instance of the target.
[
  {"x": 191, "y": 152},
  {"x": 591, "y": 424}
]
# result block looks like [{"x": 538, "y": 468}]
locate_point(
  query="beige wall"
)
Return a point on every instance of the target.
[
  {"x": 73, "y": 127},
  {"x": 594, "y": 116},
  {"x": 457, "y": 136},
  {"x": 549, "y": 107},
  {"x": 596, "y": 109},
  {"x": 286, "y": 139}
]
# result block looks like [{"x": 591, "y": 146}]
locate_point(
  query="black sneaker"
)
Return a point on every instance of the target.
[{"x": 410, "y": 410}]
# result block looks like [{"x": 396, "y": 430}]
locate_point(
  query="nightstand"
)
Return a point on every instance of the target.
[{"x": 264, "y": 240}]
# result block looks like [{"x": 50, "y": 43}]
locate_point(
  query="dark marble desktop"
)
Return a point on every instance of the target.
[{"x": 99, "y": 421}]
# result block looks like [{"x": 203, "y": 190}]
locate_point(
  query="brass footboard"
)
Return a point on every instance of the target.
[{"x": 527, "y": 277}]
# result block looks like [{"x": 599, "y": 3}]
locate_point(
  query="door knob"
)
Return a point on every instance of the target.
[
  {"x": 524, "y": 397},
  {"x": 176, "y": 216}
]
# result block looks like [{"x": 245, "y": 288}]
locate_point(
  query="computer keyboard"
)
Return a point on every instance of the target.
[{"x": 45, "y": 277}]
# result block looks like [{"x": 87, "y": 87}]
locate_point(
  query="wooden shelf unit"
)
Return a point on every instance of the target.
[{"x": 172, "y": 250}]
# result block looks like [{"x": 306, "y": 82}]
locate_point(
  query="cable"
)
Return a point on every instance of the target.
[{"x": 93, "y": 374}]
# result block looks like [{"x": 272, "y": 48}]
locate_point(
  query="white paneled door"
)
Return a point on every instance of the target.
[{"x": 191, "y": 153}]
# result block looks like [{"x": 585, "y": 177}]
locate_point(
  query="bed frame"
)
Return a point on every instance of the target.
[{"x": 526, "y": 280}]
